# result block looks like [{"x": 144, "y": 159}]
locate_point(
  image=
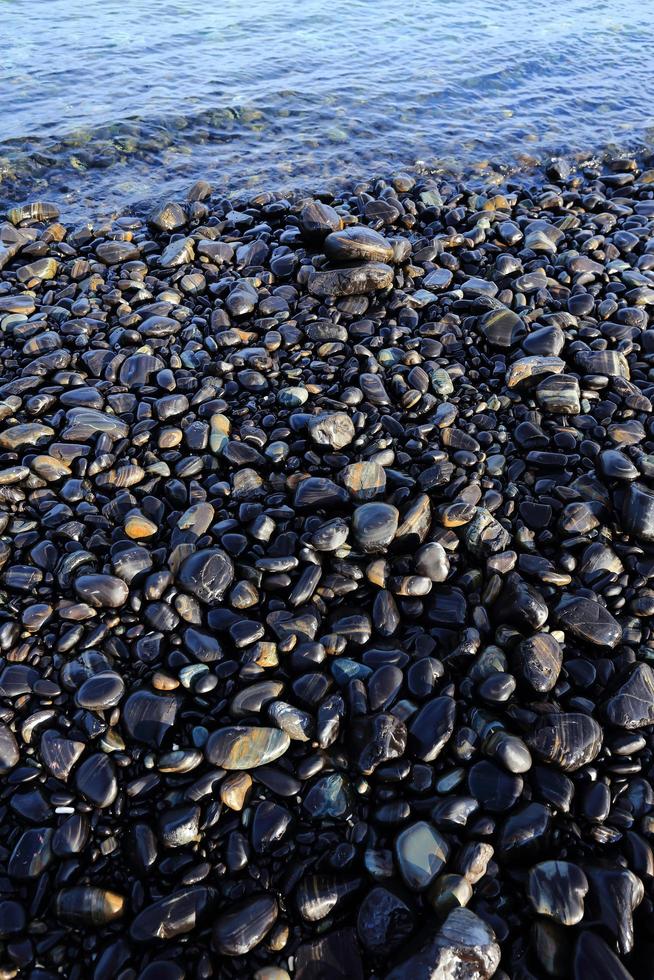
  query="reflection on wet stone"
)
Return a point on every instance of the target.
[{"x": 326, "y": 581}]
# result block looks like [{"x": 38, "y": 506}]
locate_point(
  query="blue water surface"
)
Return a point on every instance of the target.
[{"x": 106, "y": 103}]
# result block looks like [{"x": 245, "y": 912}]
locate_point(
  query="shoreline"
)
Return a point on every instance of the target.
[
  {"x": 521, "y": 167},
  {"x": 326, "y": 551}
]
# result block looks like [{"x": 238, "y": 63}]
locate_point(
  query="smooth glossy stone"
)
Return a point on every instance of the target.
[
  {"x": 271, "y": 821},
  {"x": 589, "y": 621},
  {"x": 147, "y": 717},
  {"x": 317, "y": 220},
  {"x": 420, "y": 852},
  {"x": 318, "y": 896},
  {"x": 557, "y": 889},
  {"x": 31, "y": 855},
  {"x": 96, "y": 780},
  {"x": 568, "y": 740},
  {"x": 539, "y": 660},
  {"x": 374, "y": 526},
  {"x": 510, "y": 751},
  {"x": 101, "y": 691},
  {"x": 364, "y": 481},
  {"x": 245, "y": 747},
  {"x": 358, "y": 242},
  {"x": 614, "y": 895},
  {"x": 172, "y": 916},
  {"x": 351, "y": 280},
  {"x": 525, "y": 832},
  {"x": 102, "y": 591},
  {"x": 431, "y": 728},
  {"x": 502, "y": 328},
  {"x": 525, "y": 369},
  {"x": 206, "y": 574},
  {"x": 319, "y": 493},
  {"x": 89, "y": 905},
  {"x": 244, "y": 925},
  {"x": 496, "y": 789}
]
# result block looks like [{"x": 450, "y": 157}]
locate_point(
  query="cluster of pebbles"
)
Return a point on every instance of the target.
[{"x": 326, "y": 582}]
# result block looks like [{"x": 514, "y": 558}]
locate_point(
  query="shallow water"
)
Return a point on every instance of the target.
[{"x": 104, "y": 104}]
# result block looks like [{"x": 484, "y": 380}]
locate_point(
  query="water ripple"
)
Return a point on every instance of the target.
[{"x": 107, "y": 104}]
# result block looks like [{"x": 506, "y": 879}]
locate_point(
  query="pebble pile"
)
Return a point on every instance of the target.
[{"x": 326, "y": 585}]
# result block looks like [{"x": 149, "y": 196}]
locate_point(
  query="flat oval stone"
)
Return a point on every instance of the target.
[
  {"x": 534, "y": 366},
  {"x": 172, "y": 916},
  {"x": 244, "y": 925},
  {"x": 589, "y": 621},
  {"x": 26, "y": 433},
  {"x": 374, "y": 526},
  {"x": 319, "y": 492},
  {"x": 358, "y": 242},
  {"x": 351, "y": 281},
  {"x": 113, "y": 253},
  {"x": 245, "y": 747},
  {"x": 102, "y": 591},
  {"x": 85, "y": 423},
  {"x": 101, "y": 691}
]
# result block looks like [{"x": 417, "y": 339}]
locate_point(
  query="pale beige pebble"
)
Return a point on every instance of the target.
[
  {"x": 220, "y": 428},
  {"x": 234, "y": 790},
  {"x": 533, "y": 367},
  {"x": 164, "y": 682},
  {"x": 138, "y": 526}
]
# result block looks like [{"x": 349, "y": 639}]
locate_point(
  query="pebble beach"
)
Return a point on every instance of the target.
[
  {"x": 326, "y": 492},
  {"x": 327, "y": 541}
]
